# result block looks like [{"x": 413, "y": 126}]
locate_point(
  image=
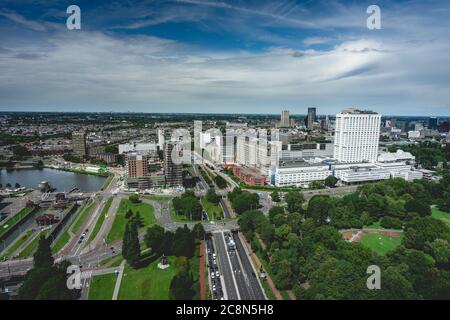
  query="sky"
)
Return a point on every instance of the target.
[{"x": 253, "y": 56}]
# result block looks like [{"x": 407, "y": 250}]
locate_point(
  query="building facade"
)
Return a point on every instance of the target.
[
  {"x": 357, "y": 135},
  {"x": 79, "y": 143}
]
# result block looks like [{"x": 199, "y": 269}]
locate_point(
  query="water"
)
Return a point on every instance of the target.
[{"x": 61, "y": 180}]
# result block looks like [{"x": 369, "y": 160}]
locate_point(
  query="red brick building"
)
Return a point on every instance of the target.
[{"x": 249, "y": 176}]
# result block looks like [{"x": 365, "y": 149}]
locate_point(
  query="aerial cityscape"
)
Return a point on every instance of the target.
[{"x": 191, "y": 150}]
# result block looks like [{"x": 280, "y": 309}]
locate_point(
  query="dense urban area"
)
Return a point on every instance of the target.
[{"x": 224, "y": 207}]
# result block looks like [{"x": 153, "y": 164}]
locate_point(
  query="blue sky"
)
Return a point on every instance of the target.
[{"x": 225, "y": 56}]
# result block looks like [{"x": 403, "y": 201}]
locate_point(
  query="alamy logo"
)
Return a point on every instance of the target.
[
  {"x": 374, "y": 280},
  {"x": 74, "y": 20},
  {"x": 74, "y": 279},
  {"x": 374, "y": 20}
]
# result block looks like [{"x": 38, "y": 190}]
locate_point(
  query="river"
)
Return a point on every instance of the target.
[{"x": 61, "y": 180}]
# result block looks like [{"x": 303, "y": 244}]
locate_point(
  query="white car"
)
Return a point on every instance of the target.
[
  {"x": 217, "y": 273},
  {"x": 212, "y": 275}
]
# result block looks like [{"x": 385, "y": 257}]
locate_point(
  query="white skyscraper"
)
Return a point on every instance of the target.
[{"x": 357, "y": 134}]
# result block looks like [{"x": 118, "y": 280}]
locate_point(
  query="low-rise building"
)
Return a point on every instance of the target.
[{"x": 250, "y": 176}]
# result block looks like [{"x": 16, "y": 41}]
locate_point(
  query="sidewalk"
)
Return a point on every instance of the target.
[
  {"x": 202, "y": 271},
  {"x": 119, "y": 281}
]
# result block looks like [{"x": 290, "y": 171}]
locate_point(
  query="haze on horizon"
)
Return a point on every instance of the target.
[{"x": 199, "y": 56}]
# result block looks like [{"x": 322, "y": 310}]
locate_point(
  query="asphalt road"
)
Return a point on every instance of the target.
[
  {"x": 250, "y": 275},
  {"x": 225, "y": 267}
]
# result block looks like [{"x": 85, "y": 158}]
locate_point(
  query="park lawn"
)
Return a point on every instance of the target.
[
  {"x": 380, "y": 243},
  {"x": 29, "y": 249},
  {"x": 441, "y": 215},
  {"x": 63, "y": 239},
  {"x": 13, "y": 220},
  {"x": 16, "y": 245},
  {"x": 86, "y": 211},
  {"x": 100, "y": 220},
  {"x": 118, "y": 228},
  {"x": 102, "y": 287},
  {"x": 148, "y": 283},
  {"x": 214, "y": 210}
]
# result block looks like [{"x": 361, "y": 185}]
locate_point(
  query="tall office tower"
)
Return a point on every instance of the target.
[
  {"x": 136, "y": 165},
  {"x": 327, "y": 123},
  {"x": 357, "y": 135},
  {"x": 79, "y": 143},
  {"x": 311, "y": 118},
  {"x": 284, "y": 122},
  {"x": 173, "y": 172},
  {"x": 432, "y": 123},
  {"x": 161, "y": 138}
]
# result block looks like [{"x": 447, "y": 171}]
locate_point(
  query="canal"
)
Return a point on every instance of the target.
[{"x": 61, "y": 180}]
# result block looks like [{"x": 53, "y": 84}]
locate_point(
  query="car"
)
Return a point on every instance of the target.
[
  {"x": 212, "y": 275},
  {"x": 214, "y": 287},
  {"x": 80, "y": 241},
  {"x": 217, "y": 273}
]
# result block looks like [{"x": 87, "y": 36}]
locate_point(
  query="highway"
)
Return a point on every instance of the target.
[{"x": 225, "y": 267}]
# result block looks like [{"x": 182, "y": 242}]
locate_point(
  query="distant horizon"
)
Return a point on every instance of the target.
[{"x": 212, "y": 113}]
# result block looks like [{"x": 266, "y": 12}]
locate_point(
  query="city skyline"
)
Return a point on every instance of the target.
[{"x": 207, "y": 57}]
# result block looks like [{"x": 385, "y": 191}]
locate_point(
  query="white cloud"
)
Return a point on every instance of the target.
[{"x": 35, "y": 25}]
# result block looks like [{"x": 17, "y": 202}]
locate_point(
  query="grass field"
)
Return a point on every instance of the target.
[
  {"x": 381, "y": 244},
  {"x": 16, "y": 245},
  {"x": 86, "y": 211},
  {"x": 100, "y": 220},
  {"x": 149, "y": 283},
  {"x": 441, "y": 215},
  {"x": 214, "y": 210},
  {"x": 29, "y": 249},
  {"x": 102, "y": 287},
  {"x": 13, "y": 220},
  {"x": 118, "y": 228}
]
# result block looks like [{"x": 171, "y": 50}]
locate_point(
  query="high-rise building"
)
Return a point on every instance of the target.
[
  {"x": 173, "y": 172},
  {"x": 357, "y": 136},
  {"x": 136, "y": 165},
  {"x": 79, "y": 143},
  {"x": 285, "y": 122},
  {"x": 311, "y": 118},
  {"x": 161, "y": 138},
  {"x": 432, "y": 123}
]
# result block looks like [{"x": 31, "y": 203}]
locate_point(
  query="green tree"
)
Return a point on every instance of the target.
[
  {"x": 211, "y": 196},
  {"x": 318, "y": 208},
  {"x": 134, "y": 198},
  {"x": 155, "y": 239},
  {"x": 294, "y": 201},
  {"x": 43, "y": 256},
  {"x": 331, "y": 181},
  {"x": 275, "y": 195}
]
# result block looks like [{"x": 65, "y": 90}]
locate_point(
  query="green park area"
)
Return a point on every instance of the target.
[
  {"x": 85, "y": 212},
  {"x": 100, "y": 220},
  {"x": 16, "y": 245},
  {"x": 32, "y": 245},
  {"x": 14, "y": 219},
  {"x": 380, "y": 243},
  {"x": 441, "y": 215},
  {"x": 148, "y": 283},
  {"x": 146, "y": 212},
  {"x": 102, "y": 287},
  {"x": 214, "y": 211}
]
